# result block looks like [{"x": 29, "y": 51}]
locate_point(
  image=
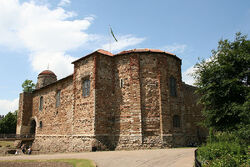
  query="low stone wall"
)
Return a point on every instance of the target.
[
  {"x": 45, "y": 144},
  {"x": 78, "y": 143}
]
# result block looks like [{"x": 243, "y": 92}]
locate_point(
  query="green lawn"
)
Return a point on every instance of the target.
[
  {"x": 74, "y": 162},
  {"x": 77, "y": 162},
  {"x": 3, "y": 144}
]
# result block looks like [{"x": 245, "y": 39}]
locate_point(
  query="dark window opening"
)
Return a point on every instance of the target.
[
  {"x": 176, "y": 121},
  {"x": 58, "y": 94},
  {"x": 86, "y": 87},
  {"x": 41, "y": 124},
  {"x": 33, "y": 127},
  {"x": 94, "y": 149},
  {"x": 173, "y": 86},
  {"x": 121, "y": 83},
  {"x": 41, "y": 103}
]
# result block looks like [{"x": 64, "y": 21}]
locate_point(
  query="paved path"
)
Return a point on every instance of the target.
[{"x": 180, "y": 157}]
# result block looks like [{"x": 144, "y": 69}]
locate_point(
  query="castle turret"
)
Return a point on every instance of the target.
[{"x": 45, "y": 78}]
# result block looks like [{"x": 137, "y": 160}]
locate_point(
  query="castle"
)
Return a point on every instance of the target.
[{"x": 131, "y": 100}]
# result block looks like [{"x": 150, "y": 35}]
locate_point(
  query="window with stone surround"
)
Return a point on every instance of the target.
[
  {"x": 58, "y": 96},
  {"x": 176, "y": 121},
  {"x": 41, "y": 103},
  {"x": 85, "y": 87},
  {"x": 172, "y": 84}
]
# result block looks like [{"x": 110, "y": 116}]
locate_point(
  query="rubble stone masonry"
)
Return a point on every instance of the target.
[{"x": 128, "y": 105}]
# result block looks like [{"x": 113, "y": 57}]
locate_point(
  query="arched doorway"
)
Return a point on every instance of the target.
[{"x": 33, "y": 127}]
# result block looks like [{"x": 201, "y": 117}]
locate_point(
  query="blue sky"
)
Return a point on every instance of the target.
[{"x": 36, "y": 33}]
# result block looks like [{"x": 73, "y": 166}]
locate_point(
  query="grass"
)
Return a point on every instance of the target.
[
  {"x": 77, "y": 162},
  {"x": 74, "y": 162},
  {"x": 6, "y": 143}
]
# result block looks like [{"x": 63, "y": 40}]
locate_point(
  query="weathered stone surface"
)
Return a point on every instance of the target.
[
  {"x": 45, "y": 78},
  {"x": 129, "y": 105}
]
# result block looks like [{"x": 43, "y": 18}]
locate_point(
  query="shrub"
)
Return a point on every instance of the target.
[{"x": 224, "y": 149}]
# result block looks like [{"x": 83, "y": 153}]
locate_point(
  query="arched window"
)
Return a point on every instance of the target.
[
  {"x": 33, "y": 127},
  {"x": 58, "y": 94},
  {"x": 41, "y": 103},
  {"x": 176, "y": 121},
  {"x": 86, "y": 87},
  {"x": 172, "y": 86}
]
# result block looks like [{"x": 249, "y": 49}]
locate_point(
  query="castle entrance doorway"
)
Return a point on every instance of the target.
[{"x": 33, "y": 127}]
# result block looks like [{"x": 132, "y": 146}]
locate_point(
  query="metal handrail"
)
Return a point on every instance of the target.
[{"x": 197, "y": 162}]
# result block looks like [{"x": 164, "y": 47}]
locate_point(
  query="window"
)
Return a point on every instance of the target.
[
  {"x": 176, "y": 121},
  {"x": 41, "y": 124},
  {"x": 85, "y": 87},
  {"x": 173, "y": 86},
  {"x": 41, "y": 103},
  {"x": 58, "y": 94},
  {"x": 33, "y": 127},
  {"x": 121, "y": 83}
]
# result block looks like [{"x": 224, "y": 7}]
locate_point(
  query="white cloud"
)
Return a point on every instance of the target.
[
  {"x": 8, "y": 105},
  {"x": 64, "y": 2},
  {"x": 47, "y": 33},
  {"x": 58, "y": 62},
  {"x": 175, "y": 48},
  {"x": 124, "y": 41},
  {"x": 187, "y": 75}
]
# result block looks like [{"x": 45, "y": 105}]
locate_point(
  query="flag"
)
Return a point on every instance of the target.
[{"x": 111, "y": 31}]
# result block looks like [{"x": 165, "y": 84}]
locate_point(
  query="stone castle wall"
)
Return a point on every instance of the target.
[
  {"x": 129, "y": 106},
  {"x": 194, "y": 132},
  {"x": 24, "y": 113},
  {"x": 53, "y": 122}
]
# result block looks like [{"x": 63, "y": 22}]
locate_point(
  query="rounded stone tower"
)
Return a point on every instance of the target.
[{"x": 45, "y": 78}]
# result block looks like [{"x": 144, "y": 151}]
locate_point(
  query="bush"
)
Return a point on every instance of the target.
[
  {"x": 224, "y": 149},
  {"x": 8, "y": 123},
  {"x": 240, "y": 136}
]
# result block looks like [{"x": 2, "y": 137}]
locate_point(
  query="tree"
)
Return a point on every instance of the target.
[
  {"x": 224, "y": 84},
  {"x": 8, "y": 123},
  {"x": 28, "y": 86}
]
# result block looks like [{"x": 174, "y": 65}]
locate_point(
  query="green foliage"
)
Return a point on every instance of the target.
[
  {"x": 77, "y": 162},
  {"x": 73, "y": 162},
  {"x": 28, "y": 86},
  {"x": 240, "y": 136},
  {"x": 8, "y": 123},
  {"x": 224, "y": 83},
  {"x": 225, "y": 149}
]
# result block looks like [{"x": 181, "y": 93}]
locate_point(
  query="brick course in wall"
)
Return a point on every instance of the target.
[{"x": 129, "y": 105}]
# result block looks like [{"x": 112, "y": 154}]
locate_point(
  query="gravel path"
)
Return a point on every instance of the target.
[{"x": 180, "y": 157}]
